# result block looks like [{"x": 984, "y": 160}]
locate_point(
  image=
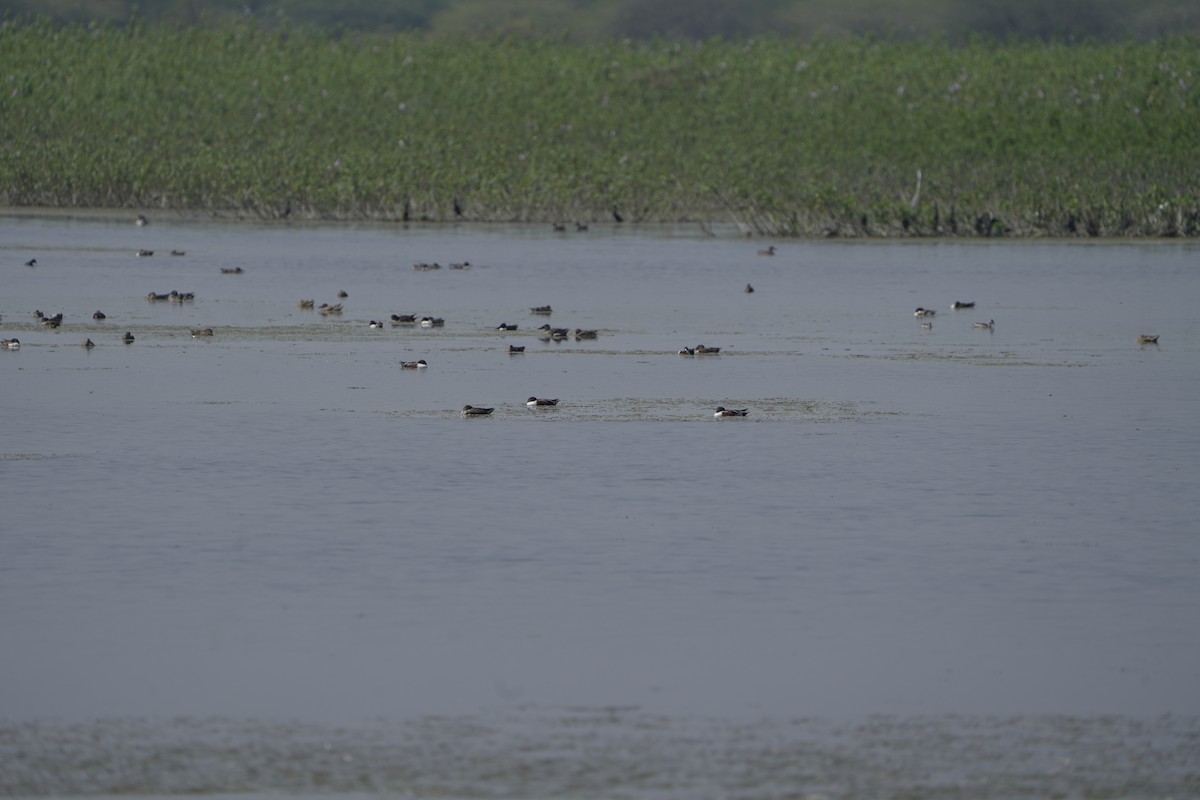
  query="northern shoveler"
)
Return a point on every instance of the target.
[
  {"x": 687, "y": 351},
  {"x": 31, "y": 262},
  {"x": 472, "y": 411},
  {"x": 1148, "y": 339},
  {"x": 227, "y": 270},
  {"x": 88, "y": 343},
  {"x": 418, "y": 364},
  {"x": 432, "y": 322},
  {"x": 374, "y": 324},
  {"x": 541, "y": 401},
  {"x": 701, "y": 350},
  {"x": 546, "y": 310},
  {"x": 516, "y": 348},
  {"x": 141, "y": 220},
  {"x": 183, "y": 253},
  {"x": 582, "y": 334},
  {"x": 145, "y": 252},
  {"x": 10, "y": 344},
  {"x": 990, "y": 324},
  {"x": 99, "y": 315},
  {"x": 504, "y": 326},
  {"x": 127, "y": 338},
  {"x": 924, "y": 312},
  {"x": 722, "y": 411},
  {"x": 404, "y": 319},
  {"x": 749, "y": 289},
  {"x": 196, "y": 334},
  {"x": 960, "y": 304},
  {"x": 770, "y": 251},
  {"x": 342, "y": 294}
]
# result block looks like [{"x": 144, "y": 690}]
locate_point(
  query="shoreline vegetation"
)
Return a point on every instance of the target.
[{"x": 853, "y": 137}]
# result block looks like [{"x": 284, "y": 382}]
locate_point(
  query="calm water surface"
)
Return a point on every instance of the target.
[{"x": 947, "y": 560}]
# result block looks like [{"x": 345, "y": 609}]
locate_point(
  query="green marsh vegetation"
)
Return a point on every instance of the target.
[{"x": 824, "y": 138}]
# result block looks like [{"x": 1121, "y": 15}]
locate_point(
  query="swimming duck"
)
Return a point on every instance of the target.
[
  {"x": 10, "y": 344},
  {"x": 141, "y": 220},
  {"x": 701, "y": 350},
  {"x": 432, "y": 322},
  {"x": 88, "y": 343},
  {"x": 1148, "y": 339},
  {"x": 686, "y": 351},
  {"x": 989, "y": 325},
  {"x": 582, "y": 334},
  {"x": 541, "y": 310},
  {"x": 770, "y": 251},
  {"x": 306, "y": 304},
  {"x": 226, "y": 270},
  {"x": 404, "y": 319},
  {"x": 504, "y": 326},
  {"x": 516, "y": 348},
  {"x": 196, "y": 334},
  {"x": 52, "y": 322},
  {"x": 536, "y": 401},
  {"x": 460, "y": 265},
  {"x": 184, "y": 253},
  {"x": 581, "y": 226},
  {"x": 31, "y": 262},
  {"x": 749, "y": 289},
  {"x": 554, "y": 333},
  {"x": 927, "y": 326},
  {"x": 152, "y": 297},
  {"x": 924, "y": 312},
  {"x": 472, "y": 411},
  {"x": 127, "y": 338},
  {"x": 374, "y": 324},
  {"x": 99, "y": 315},
  {"x": 327, "y": 310},
  {"x": 722, "y": 411},
  {"x": 418, "y": 364},
  {"x": 342, "y": 294},
  {"x": 182, "y": 297},
  {"x": 960, "y": 304},
  {"x": 145, "y": 253}
]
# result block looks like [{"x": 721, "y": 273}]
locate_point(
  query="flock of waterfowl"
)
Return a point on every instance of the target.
[
  {"x": 925, "y": 314},
  {"x": 546, "y": 331},
  {"x": 957, "y": 305}
]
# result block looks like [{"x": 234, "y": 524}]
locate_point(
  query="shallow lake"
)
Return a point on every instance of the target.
[{"x": 279, "y": 534}]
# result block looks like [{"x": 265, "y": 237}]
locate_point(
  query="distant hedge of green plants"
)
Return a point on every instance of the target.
[{"x": 847, "y": 137}]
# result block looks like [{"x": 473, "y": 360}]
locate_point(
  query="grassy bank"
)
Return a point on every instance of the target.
[{"x": 820, "y": 139}]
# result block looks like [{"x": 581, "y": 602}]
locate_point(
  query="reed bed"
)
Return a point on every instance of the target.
[{"x": 853, "y": 137}]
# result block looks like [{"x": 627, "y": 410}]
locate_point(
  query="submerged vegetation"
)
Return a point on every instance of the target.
[{"x": 847, "y": 137}]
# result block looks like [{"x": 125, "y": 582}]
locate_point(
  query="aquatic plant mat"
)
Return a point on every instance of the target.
[{"x": 608, "y": 752}]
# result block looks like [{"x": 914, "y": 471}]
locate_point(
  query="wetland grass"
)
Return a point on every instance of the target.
[{"x": 853, "y": 137}]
